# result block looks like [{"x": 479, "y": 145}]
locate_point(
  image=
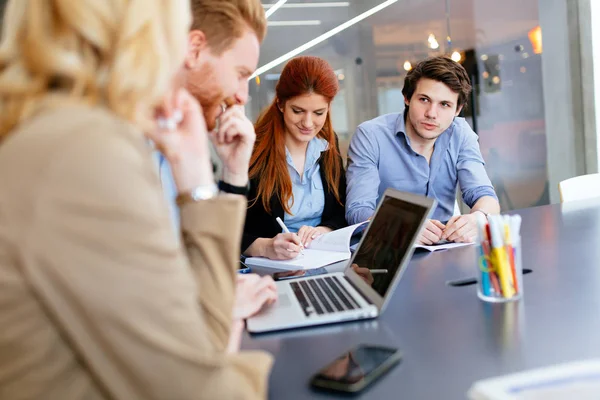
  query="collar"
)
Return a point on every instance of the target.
[{"x": 315, "y": 147}]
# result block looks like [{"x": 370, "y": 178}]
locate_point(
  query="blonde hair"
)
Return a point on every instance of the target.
[
  {"x": 121, "y": 54},
  {"x": 222, "y": 22}
]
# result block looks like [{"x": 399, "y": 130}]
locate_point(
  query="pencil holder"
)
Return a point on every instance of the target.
[{"x": 499, "y": 272}]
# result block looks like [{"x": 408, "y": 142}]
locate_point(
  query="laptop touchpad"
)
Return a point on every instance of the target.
[{"x": 283, "y": 300}]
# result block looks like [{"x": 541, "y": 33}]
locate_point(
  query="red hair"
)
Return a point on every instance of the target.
[{"x": 301, "y": 75}]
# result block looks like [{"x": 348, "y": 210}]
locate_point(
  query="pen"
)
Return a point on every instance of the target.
[
  {"x": 379, "y": 271},
  {"x": 509, "y": 252},
  {"x": 500, "y": 259},
  {"x": 244, "y": 269},
  {"x": 486, "y": 249},
  {"x": 485, "y": 271},
  {"x": 286, "y": 230}
]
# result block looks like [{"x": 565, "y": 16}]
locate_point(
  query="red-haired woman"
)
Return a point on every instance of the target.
[{"x": 296, "y": 170}]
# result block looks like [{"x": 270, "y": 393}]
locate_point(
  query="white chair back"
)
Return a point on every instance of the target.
[{"x": 579, "y": 188}]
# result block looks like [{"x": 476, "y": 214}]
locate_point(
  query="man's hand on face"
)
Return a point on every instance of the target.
[{"x": 234, "y": 141}]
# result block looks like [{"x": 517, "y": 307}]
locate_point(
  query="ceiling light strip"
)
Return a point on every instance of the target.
[
  {"x": 321, "y": 38},
  {"x": 274, "y": 8},
  {"x": 310, "y": 22},
  {"x": 312, "y": 5}
]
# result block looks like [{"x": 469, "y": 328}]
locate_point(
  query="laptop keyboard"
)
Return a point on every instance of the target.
[{"x": 323, "y": 295}]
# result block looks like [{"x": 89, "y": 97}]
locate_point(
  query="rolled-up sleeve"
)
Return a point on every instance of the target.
[
  {"x": 362, "y": 177},
  {"x": 472, "y": 177}
]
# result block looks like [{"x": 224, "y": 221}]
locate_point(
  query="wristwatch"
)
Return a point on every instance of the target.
[
  {"x": 227, "y": 188},
  {"x": 203, "y": 192}
]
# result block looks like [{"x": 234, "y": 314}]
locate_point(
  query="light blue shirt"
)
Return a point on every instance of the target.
[
  {"x": 380, "y": 156},
  {"x": 169, "y": 188},
  {"x": 308, "y": 193}
]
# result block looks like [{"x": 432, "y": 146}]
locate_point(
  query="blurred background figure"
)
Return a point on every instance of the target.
[{"x": 100, "y": 299}]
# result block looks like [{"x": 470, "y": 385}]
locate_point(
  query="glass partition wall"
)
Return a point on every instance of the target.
[{"x": 499, "y": 43}]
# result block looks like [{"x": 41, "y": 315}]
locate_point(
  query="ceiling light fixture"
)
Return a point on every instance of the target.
[
  {"x": 321, "y": 38},
  {"x": 456, "y": 57},
  {"x": 274, "y": 8},
  {"x": 310, "y": 22},
  {"x": 407, "y": 65},
  {"x": 312, "y": 5},
  {"x": 433, "y": 43}
]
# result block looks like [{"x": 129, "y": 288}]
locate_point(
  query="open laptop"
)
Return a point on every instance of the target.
[{"x": 366, "y": 286}]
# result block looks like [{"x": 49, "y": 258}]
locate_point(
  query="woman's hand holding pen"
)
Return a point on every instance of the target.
[{"x": 284, "y": 246}]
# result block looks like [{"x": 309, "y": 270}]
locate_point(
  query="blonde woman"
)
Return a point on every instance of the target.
[{"x": 98, "y": 298}]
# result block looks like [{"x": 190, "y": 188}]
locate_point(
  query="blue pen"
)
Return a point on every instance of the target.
[
  {"x": 244, "y": 269},
  {"x": 483, "y": 262}
]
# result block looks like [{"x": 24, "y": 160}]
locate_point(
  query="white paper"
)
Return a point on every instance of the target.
[
  {"x": 324, "y": 250},
  {"x": 577, "y": 380},
  {"x": 309, "y": 260},
  {"x": 337, "y": 240},
  {"x": 444, "y": 246}
]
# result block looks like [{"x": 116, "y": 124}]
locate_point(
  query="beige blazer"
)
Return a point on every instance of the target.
[{"x": 99, "y": 298}]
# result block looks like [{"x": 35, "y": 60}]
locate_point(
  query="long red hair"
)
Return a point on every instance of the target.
[{"x": 301, "y": 75}]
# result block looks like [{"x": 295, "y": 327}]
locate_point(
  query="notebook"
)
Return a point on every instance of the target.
[
  {"x": 433, "y": 247},
  {"x": 575, "y": 380},
  {"x": 327, "y": 249}
]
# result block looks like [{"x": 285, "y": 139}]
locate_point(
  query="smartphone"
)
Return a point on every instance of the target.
[
  {"x": 356, "y": 369},
  {"x": 282, "y": 276}
]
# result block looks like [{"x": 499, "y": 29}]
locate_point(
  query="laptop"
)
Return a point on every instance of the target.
[{"x": 368, "y": 282}]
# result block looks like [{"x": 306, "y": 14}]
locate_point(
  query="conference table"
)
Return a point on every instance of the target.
[{"x": 448, "y": 337}]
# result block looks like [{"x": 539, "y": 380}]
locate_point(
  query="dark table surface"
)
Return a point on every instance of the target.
[{"x": 450, "y": 338}]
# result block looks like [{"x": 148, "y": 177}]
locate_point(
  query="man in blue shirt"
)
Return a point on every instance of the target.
[{"x": 427, "y": 150}]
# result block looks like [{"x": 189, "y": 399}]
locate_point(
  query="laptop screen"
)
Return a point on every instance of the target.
[{"x": 387, "y": 241}]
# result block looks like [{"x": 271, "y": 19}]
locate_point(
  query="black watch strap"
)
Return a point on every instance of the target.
[{"x": 227, "y": 188}]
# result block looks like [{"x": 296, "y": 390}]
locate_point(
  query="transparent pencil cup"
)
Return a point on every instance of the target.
[{"x": 499, "y": 272}]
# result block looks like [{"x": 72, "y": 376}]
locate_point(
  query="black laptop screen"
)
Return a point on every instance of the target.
[{"x": 387, "y": 241}]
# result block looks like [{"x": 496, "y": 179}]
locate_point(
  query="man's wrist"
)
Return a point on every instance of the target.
[
  {"x": 485, "y": 214},
  {"x": 189, "y": 176}
]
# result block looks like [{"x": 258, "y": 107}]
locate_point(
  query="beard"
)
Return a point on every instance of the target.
[{"x": 202, "y": 83}]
